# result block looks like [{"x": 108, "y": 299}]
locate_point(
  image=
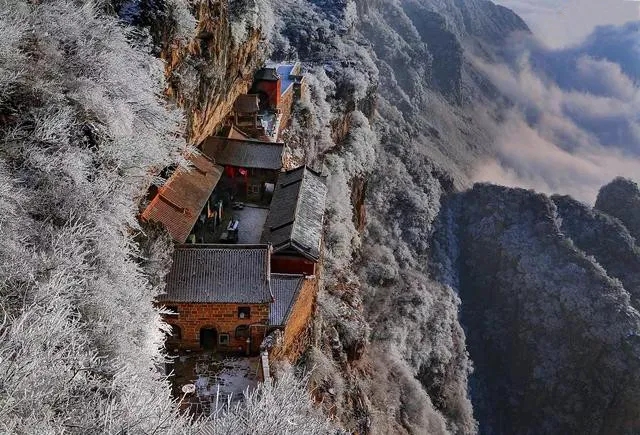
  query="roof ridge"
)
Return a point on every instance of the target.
[
  {"x": 288, "y": 275},
  {"x": 178, "y": 207},
  {"x": 222, "y": 246},
  {"x": 251, "y": 141},
  {"x": 296, "y": 222}
]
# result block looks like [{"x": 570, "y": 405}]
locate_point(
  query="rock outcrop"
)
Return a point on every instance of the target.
[
  {"x": 621, "y": 199},
  {"x": 206, "y": 74},
  {"x": 553, "y": 337}
]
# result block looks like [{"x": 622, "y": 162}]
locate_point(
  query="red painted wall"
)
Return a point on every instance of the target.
[
  {"x": 272, "y": 89},
  {"x": 291, "y": 264}
]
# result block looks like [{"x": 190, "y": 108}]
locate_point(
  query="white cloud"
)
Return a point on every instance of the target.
[
  {"x": 572, "y": 128},
  {"x": 560, "y": 23}
]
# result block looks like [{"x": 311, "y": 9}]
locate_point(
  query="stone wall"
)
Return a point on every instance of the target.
[
  {"x": 286, "y": 107},
  {"x": 192, "y": 317},
  {"x": 297, "y": 330}
]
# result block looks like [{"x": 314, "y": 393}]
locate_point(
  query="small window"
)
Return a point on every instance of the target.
[
  {"x": 223, "y": 339},
  {"x": 244, "y": 312},
  {"x": 172, "y": 310},
  {"x": 242, "y": 331}
]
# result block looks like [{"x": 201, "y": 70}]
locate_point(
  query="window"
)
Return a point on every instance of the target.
[
  {"x": 172, "y": 310},
  {"x": 242, "y": 331},
  {"x": 223, "y": 339},
  {"x": 244, "y": 312}
]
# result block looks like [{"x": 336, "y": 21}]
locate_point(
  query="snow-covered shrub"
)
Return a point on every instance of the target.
[
  {"x": 83, "y": 130},
  {"x": 279, "y": 407},
  {"x": 246, "y": 15}
]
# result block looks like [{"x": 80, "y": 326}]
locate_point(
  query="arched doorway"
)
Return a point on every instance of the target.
[{"x": 208, "y": 338}]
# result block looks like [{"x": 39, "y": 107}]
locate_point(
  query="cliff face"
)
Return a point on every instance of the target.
[
  {"x": 605, "y": 238},
  {"x": 390, "y": 351},
  {"x": 207, "y": 73},
  {"x": 552, "y": 335},
  {"x": 621, "y": 199}
]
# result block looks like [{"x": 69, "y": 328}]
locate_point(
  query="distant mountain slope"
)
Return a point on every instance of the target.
[
  {"x": 606, "y": 239},
  {"x": 553, "y": 337}
]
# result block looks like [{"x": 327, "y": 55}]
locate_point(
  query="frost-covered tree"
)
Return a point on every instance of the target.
[{"x": 83, "y": 130}]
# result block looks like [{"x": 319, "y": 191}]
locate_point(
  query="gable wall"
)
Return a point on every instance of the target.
[{"x": 292, "y": 264}]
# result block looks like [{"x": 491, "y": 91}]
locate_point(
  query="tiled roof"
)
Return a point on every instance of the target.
[
  {"x": 285, "y": 290},
  {"x": 235, "y": 133},
  {"x": 247, "y": 103},
  {"x": 180, "y": 200},
  {"x": 244, "y": 153},
  {"x": 219, "y": 273},
  {"x": 296, "y": 212},
  {"x": 267, "y": 73}
]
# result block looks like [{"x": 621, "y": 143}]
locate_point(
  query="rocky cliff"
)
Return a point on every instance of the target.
[
  {"x": 621, "y": 199},
  {"x": 552, "y": 333},
  {"x": 206, "y": 73},
  {"x": 390, "y": 352}
]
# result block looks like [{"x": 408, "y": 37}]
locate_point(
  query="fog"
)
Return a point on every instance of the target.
[
  {"x": 573, "y": 124},
  {"x": 561, "y": 23}
]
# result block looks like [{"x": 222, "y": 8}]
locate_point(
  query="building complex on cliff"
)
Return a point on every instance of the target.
[{"x": 253, "y": 230}]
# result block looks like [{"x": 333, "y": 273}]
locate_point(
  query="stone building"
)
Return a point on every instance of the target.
[
  {"x": 278, "y": 86},
  {"x": 251, "y": 166},
  {"x": 225, "y": 298}
]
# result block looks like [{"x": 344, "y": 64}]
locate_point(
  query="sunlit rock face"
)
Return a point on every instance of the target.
[{"x": 207, "y": 74}]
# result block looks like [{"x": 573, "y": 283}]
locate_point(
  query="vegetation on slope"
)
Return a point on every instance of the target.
[{"x": 83, "y": 130}]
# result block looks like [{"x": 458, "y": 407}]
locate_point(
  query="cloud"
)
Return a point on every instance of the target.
[
  {"x": 575, "y": 120},
  {"x": 562, "y": 23}
]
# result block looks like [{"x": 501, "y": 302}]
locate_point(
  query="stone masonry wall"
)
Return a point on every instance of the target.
[
  {"x": 286, "y": 106},
  {"x": 192, "y": 317},
  {"x": 296, "y": 331}
]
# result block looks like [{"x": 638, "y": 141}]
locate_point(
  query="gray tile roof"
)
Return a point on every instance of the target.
[
  {"x": 244, "y": 153},
  {"x": 267, "y": 73},
  {"x": 219, "y": 273},
  {"x": 295, "y": 216},
  {"x": 286, "y": 289}
]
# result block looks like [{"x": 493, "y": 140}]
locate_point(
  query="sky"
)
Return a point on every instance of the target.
[{"x": 561, "y": 23}]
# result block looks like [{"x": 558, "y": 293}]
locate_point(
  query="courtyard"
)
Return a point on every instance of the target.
[{"x": 208, "y": 381}]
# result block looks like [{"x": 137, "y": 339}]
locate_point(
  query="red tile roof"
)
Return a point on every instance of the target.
[{"x": 179, "y": 201}]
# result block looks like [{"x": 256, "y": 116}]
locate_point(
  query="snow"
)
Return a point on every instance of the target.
[{"x": 218, "y": 380}]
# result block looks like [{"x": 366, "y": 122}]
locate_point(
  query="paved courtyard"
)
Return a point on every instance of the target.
[
  {"x": 252, "y": 221},
  {"x": 213, "y": 378}
]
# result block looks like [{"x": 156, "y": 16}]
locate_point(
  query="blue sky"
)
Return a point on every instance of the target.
[{"x": 560, "y": 23}]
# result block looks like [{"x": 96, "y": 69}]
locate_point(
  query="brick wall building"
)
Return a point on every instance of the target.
[
  {"x": 219, "y": 297},
  {"x": 225, "y": 327}
]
